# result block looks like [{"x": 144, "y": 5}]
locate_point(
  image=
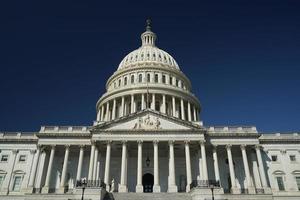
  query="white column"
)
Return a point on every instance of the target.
[
  {"x": 123, "y": 185},
  {"x": 98, "y": 114},
  {"x": 102, "y": 113},
  {"x": 49, "y": 170},
  {"x": 216, "y": 164},
  {"x": 188, "y": 166},
  {"x": 34, "y": 167},
  {"x": 234, "y": 188},
  {"x": 164, "y": 104},
  {"x": 139, "y": 186},
  {"x": 174, "y": 106},
  {"x": 156, "y": 186},
  {"x": 182, "y": 110},
  {"x": 64, "y": 170},
  {"x": 204, "y": 163},
  {"x": 250, "y": 188},
  {"x": 95, "y": 163},
  {"x": 107, "y": 112},
  {"x": 39, "y": 175},
  {"x": 143, "y": 101},
  {"x": 195, "y": 114},
  {"x": 80, "y": 160},
  {"x": 91, "y": 165},
  {"x": 189, "y": 112},
  {"x": 114, "y": 109},
  {"x": 264, "y": 183},
  {"x": 153, "y": 102},
  {"x": 171, "y": 183},
  {"x": 107, "y": 166},
  {"x": 132, "y": 104},
  {"x": 122, "y": 107},
  {"x": 11, "y": 166}
]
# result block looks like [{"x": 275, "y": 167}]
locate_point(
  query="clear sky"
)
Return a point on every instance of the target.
[{"x": 242, "y": 57}]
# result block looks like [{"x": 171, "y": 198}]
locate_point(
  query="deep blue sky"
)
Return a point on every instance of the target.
[{"x": 242, "y": 57}]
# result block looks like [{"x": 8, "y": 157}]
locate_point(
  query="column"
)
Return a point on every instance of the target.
[
  {"x": 11, "y": 166},
  {"x": 49, "y": 170},
  {"x": 171, "y": 183},
  {"x": 123, "y": 185},
  {"x": 174, "y": 106},
  {"x": 107, "y": 165},
  {"x": 189, "y": 112},
  {"x": 153, "y": 102},
  {"x": 182, "y": 110},
  {"x": 95, "y": 164},
  {"x": 156, "y": 186},
  {"x": 266, "y": 188},
  {"x": 107, "y": 112},
  {"x": 102, "y": 113},
  {"x": 132, "y": 104},
  {"x": 216, "y": 164},
  {"x": 114, "y": 109},
  {"x": 143, "y": 101},
  {"x": 33, "y": 172},
  {"x": 98, "y": 115},
  {"x": 122, "y": 106},
  {"x": 195, "y": 114},
  {"x": 234, "y": 188},
  {"x": 204, "y": 163},
  {"x": 250, "y": 188},
  {"x": 164, "y": 104},
  {"x": 80, "y": 160},
  {"x": 91, "y": 165},
  {"x": 64, "y": 170},
  {"x": 139, "y": 186},
  {"x": 38, "y": 183},
  {"x": 188, "y": 166}
]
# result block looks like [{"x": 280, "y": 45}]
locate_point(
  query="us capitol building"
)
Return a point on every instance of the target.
[{"x": 148, "y": 142}]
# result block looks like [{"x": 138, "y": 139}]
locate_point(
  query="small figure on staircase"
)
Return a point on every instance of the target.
[{"x": 112, "y": 187}]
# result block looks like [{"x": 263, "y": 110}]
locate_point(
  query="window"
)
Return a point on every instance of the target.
[
  {"x": 22, "y": 158},
  {"x": 125, "y": 81},
  {"x": 274, "y": 158},
  {"x": 17, "y": 183},
  {"x": 156, "y": 78},
  {"x": 177, "y": 83},
  {"x": 4, "y": 158},
  {"x": 280, "y": 183},
  {"x": 148, "y": 78},
  {"x": 164, "y": 78},
  {"x": 170, "y": 80},
  {"x": 292, "y": 158},
  {"x": 119, "y": 82},
  {"x": 132, "y": 78},
  {"x": 2, "y": 176},
  {"x": 140, "y": 78},
  {"x": 297, "y": 181}
]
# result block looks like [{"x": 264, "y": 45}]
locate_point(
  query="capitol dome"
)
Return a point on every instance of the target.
[{"x": 148, "y": 78}]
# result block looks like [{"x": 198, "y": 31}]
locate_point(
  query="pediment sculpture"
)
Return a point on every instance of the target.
[{"x": 147, "y": 123}]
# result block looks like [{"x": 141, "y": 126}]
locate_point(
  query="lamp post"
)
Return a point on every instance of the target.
[
  {"x": 212, "y": 192},
  {"x": 83, "y": 183}
]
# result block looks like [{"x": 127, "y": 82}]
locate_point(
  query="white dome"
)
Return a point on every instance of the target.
[{"x": 148, "y": 54}]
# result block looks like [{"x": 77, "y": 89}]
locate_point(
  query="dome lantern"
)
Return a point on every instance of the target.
[{"x": 148, "y": 37}]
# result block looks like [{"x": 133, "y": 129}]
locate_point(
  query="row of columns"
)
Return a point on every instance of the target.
[{"x": 107, "y": 113}]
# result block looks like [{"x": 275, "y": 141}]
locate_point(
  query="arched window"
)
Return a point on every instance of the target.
[
  {"x": 170, "y": 80},
  {"x": 164, "y": 78},
  {"x": 148, "y": 78},
  {"x": 177, "y": 82},
  {"x": 140, "y": 78},
  {"x": 132, "y": 79},
  {"x": 125, "y": 81},
  {"x": 119, "y": 82},
  {"x": 156, "y": 78}
]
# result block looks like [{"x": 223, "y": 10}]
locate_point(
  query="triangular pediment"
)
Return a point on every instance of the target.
[{"x": 148, "y": 120}]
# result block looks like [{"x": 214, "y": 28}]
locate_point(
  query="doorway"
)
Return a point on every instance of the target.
[{"x": 148, "y": 181}]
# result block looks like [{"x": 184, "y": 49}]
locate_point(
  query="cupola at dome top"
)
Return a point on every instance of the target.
[{"x": 148, "y": 37}]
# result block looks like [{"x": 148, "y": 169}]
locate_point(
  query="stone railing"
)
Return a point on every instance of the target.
[
  {"x": 204, "y": 183},
  {"x": 64, "y": 129},
  {"x": 231, "y": 129},
  {"x": 91, "y": 183}
]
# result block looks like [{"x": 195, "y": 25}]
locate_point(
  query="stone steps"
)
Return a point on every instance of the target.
[{"x": 147, "y": 196}]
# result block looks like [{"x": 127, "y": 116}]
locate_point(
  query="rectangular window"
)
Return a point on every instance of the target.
[
  {"x": 4, "y": 158},
  {"x": 17, "y": 183},
  {"x": 274, "y": 158},
  {"x": 292, "y": 158},
  {"x": 298, "y": 182},
  {"x": 164, "y": 79},
  {"x": 22, "y": 158},
  {"x": 1, "y": 180},
  {"x": 280, "y": 183}
]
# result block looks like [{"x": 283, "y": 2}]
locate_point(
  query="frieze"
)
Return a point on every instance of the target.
[{"x": 147, "y": 123}]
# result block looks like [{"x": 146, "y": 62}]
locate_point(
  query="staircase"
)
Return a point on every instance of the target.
[{"x": 147, "y": 196}]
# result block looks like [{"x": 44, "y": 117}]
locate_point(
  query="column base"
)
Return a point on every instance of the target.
[
  {"x": 61, "y": 190},
  {"x": 267, "y": 190},
  {"x": 235, "y": 190},
  {"x": 187, "y": 188},
  {"x": 123, "y": 189},
  {"x": 139, "y": 189},
  {"x": 172, "y": 188},
  {"x": 156, "y": 188},
  {"x": 251, "y": 190},
  {"x": 45, "y": 190}
]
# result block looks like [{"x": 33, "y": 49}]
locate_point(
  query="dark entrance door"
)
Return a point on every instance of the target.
[{"x": 148, "y": 181}]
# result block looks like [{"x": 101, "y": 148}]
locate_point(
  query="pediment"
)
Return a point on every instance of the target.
[{"x": 149, "y": 121}]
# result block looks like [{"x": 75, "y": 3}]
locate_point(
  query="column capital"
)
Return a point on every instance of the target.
[
  {"x": 81, "y": 146},
  {"x": 32, "y": 151},
  {"x": 15, "y": 151},
  {"x": 228, "y": 146},
  {"x": 215, "y": 147},
  {"x": 67, "y": 146},
  {"x": 243, "y": 146},
  {"x": 155, "y": 142},
  {"x": 124, "y": 142},
  {"x": 258, "y": 146},
  {"x": 202, "y": 142},
  {"x": 171, "y": 142},
  {"x": 53, "y": 146},
  {"x": 108, "y": 142},
  {"x": 186, "y": 142},
  {"x": 140, "y": 141}
]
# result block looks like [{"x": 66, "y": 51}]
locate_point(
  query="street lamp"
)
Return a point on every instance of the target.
[
  {"x": 83, "y": 183},
  {"x": 212, "y": 192}
]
